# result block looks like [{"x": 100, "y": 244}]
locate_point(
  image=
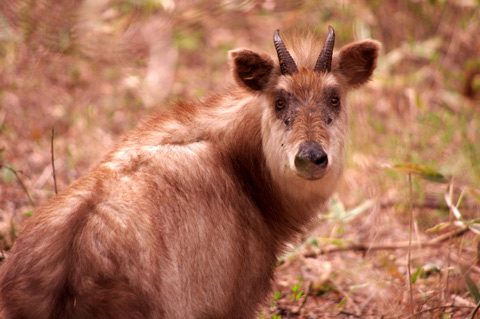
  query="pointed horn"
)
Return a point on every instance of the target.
[
  {"x": 324, "y": 62},
  {"x": 287, "y": 64}
]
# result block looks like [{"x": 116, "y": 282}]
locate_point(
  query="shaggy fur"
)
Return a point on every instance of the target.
[{"x": 187, "y": 216}]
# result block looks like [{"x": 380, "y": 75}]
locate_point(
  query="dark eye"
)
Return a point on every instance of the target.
[
  {"x": 280, "y": 104},
  {"x": 334, "y": 101}
]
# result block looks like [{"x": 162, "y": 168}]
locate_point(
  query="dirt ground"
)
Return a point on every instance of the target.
[{"x": 400, "y": 238}]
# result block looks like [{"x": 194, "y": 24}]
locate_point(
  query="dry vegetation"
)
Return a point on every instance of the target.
[{"x": 400, "y": 239}]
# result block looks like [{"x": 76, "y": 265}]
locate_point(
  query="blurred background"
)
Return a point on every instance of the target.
[{"x": 93, "y": 69}]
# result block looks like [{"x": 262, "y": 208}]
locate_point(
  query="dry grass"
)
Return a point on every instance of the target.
[{"x": 93, "y": 69}]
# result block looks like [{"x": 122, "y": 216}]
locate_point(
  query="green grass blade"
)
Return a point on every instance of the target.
[{"x": 421, "y": 172}]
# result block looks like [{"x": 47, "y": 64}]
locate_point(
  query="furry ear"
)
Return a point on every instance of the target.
[
  {"x": 252, "y": 70},
  {"x": 356, "y": 62}
]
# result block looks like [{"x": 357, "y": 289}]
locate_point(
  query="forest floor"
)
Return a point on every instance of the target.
[{"x": 400, "y": 237}]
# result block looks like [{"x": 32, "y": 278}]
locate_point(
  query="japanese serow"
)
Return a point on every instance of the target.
[{"x": 187, "y": 216}]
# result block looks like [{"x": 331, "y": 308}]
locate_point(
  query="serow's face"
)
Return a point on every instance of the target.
[
  {"x": 305, "y": 119},
  {"x": 309, "y": 112}
]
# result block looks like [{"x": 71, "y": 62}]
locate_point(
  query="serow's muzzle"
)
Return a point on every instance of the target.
[{"x": 311, "y": 161}]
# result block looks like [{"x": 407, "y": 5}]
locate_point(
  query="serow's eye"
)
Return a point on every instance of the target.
[
  {"x": 279, "y": 104},
  {"x": 334, "y": 101}
]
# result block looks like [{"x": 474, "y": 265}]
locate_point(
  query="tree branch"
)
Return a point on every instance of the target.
[
  {"x": 30, "y": 199},
  {"x": 400, "y": 245}
]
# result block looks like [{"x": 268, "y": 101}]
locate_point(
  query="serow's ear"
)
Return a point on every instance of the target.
[
  {"x": 356, "y": 62},
  {"x": 252, "y": 70}
]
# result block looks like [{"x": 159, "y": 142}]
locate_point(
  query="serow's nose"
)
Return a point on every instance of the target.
[{"x": 311, "y": 161}]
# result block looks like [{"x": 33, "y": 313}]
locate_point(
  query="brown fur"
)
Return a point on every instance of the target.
[{"x": 186, "y": 217}]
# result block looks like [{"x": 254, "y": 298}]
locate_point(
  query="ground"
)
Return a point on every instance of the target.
[{"x": 400, "y": 237}]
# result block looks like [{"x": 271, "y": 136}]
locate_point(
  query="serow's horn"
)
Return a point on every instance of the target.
[
  {"x": 287, "y": 64},
  {"x": 324, "y": 62}
]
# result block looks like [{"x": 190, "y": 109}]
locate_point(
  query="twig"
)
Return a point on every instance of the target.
[
  {"x": 434, "y": 308},
  {"x": 454, "y": 233},
  {"x": 442, "y": 288},
  {"x": 30, "y": 199},
  {"x": 474, "y": 312},
  {"x": 459, "y": 263},
  {"x": 466, "y": 264},
  {"x": 346, "y": 295},
  {"x": 448, "y": 199},
  {"x": 400, "y": 245},
  {"x": 409, "y": 261},
  {"x": 304, "y": 301},
  {"x": 53, "y": 160}
]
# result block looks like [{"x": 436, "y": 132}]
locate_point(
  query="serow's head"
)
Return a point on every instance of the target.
[{"x": 305, "y": 116}]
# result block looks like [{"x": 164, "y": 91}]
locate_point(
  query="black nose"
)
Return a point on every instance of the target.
[{"x": 311, "y": 156}]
